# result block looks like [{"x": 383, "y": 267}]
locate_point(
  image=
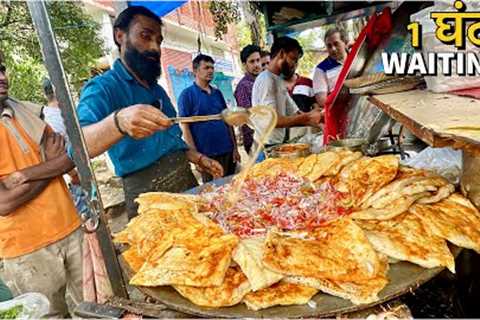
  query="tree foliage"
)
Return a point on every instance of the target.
[
  {"x": 77, "y": 37},
  {"x": 251, "y": 29},
  {"x": 244, "y": 34},
  {"x": 309, "y": 60},
  {"x": 223, "y": 13}
]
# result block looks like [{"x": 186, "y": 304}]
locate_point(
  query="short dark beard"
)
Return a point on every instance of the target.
[
  {"x": 286, "y": 71},
  {"x": 2, "y": 101},
  {"x": 139, "y": 62}
]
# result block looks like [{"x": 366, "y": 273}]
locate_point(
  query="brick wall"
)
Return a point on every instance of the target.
[
  {"x": 179, "y": 59},
  {"x": 196, "y": 15},
  {"x": 193, "y": 15}
]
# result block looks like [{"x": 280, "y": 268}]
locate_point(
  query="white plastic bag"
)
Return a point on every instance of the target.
[
  {"x": 315, "y": 140},
  {"x": 441, "y": 83},
  {"x": 32, "y": 305},
  {"x": 446, "y": 162}
]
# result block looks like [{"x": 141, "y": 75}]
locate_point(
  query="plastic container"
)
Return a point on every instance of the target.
[{"x": 33, "y": 305}]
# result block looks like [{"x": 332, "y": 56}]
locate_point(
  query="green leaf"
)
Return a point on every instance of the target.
[
  {"x": 11, "y": 313},
  {"x": 77, "y": 35},
  {"x": 223, "y": 13}
]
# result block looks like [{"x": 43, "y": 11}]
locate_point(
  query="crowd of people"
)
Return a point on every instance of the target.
[{"x": 125, "y": 112}]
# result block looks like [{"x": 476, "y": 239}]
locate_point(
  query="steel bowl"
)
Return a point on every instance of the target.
[
  {"x": 353, "y": 144},
  {"x": 291, "y": 150}
]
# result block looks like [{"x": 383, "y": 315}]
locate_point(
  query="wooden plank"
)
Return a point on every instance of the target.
[
  {"x": 112, "y": 265},
  {"x": 438, "y": 119}
]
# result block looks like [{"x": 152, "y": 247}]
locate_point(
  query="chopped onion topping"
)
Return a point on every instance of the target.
[{"x": 280, "y": 202}]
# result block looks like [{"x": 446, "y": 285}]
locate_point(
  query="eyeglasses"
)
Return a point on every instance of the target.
[{"x": 3, "y": 69}]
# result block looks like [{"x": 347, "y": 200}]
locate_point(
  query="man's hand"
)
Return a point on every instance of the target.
[
  {"x": 210, "y": 166},
  {"x": 142, "y": 120},
  {"x": 315, "y": 118},
  {"x": 75, "y": 179},
  {"x": 13, "y": 180},
  {"x": 236, "y": 156},
  {"x": 54, "y": 146},
  {"x": 321, "y": 98}
]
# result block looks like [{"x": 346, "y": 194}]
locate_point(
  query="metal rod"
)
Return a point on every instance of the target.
[
  {"x": 53, "y": 62},
  {"x": 196, "y": 118}
]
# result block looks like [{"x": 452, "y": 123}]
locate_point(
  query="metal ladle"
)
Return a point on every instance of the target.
[{"x": 235, "y": 116}]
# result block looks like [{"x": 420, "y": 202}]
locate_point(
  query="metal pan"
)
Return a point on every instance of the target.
[
  {"x": 291, "y": 150},
  {"x": 352, "y": 144},
  {"x": 403, "y": 278}
]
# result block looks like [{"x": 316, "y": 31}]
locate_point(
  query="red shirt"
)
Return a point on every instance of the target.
[{"x": 302, "y": 93}]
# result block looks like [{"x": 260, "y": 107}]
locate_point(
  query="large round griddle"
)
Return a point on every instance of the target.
[{"x": 403, "y": 277}]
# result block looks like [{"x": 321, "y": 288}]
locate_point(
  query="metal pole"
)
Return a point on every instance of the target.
[
  {"x": 53, "y": 62},
  {"x": 470, "y": 182}
]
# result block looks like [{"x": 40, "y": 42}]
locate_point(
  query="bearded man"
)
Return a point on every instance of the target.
[
  {"x": 270, "y": 89},
  {"x": 125, "y": 112}
]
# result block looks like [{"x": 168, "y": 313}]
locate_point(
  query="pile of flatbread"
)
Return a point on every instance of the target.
[{"x": 399, "y": 213}]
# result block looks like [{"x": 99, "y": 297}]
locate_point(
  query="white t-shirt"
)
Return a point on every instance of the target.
[{"x": 271, "y": 90}]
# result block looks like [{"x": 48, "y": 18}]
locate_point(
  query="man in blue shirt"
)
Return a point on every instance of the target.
[
  {"x": 125, "y": 111},
  {"x": 213, "y": 138}
]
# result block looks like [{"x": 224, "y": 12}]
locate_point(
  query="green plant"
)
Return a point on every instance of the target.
[
  {"x": 77, "y": 35},
  {"x": 223, "y": 13},
  {"x": 11, "y": 313},
  {"x": 251, "y": 29},
  {"x": 309, "y": 60}
]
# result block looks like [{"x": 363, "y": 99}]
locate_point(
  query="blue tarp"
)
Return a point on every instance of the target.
[{"x": 160, "y": 7}]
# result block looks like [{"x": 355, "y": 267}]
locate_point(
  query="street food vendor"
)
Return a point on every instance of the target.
[{"x": 125, "y": 111}]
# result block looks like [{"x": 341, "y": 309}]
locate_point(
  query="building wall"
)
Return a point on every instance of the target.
[
  {"x": 177, "y": 72},
  {"x": 180, "y": 61},
  {"x": 196, "y": 15},
  {"x": 182, "y": 29}
]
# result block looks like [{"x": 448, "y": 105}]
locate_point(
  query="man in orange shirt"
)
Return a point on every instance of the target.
[{"x": 40, "y": 238}]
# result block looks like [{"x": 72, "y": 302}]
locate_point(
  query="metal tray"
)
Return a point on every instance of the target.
[{"x": 403, "y": 277}]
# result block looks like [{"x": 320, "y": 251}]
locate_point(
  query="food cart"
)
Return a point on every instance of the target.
[{"x": 412, "y": 109}]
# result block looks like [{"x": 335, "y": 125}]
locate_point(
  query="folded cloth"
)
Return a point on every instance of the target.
[
  {"x": 472, "y": 93},
  {"x": 96, "y": 285},
  {"x": 5, "y": 293}
]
